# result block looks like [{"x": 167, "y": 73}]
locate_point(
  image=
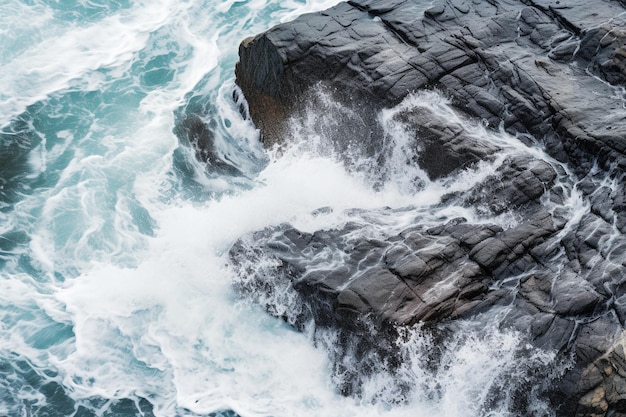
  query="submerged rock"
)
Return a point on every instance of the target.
[
  {"x": 194, "y": 133},
  {"x": 552, "y": 75}
]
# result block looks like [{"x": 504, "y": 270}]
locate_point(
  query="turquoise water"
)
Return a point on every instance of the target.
[{"x": 116, "y": 297}]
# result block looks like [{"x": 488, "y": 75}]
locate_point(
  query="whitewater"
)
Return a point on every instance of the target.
[{"x": 116, "y": 291}]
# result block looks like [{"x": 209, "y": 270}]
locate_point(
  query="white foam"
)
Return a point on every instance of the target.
[
  {"x": 309, "y": 6},
  {"x": 21, "y": 25},
  {"x": 198, "y": 349},
  {"x": 52, "y": 64}
]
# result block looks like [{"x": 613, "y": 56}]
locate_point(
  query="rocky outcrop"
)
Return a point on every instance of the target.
[{"x": 551, "y": 74}]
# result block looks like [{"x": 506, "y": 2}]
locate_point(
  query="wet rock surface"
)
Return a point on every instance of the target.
[
  {"x": 549, "y": 73},
  {"x": 197, "y": 135}
]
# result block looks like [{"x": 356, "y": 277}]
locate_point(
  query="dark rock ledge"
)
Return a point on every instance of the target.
[{"x": 548, "y": 71}]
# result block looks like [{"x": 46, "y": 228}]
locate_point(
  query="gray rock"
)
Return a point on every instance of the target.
[
  {"x": 194, "y": 133},
  {"x": 548, "y": 72}
]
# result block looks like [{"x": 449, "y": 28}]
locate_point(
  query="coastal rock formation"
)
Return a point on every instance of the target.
[{"x": 549, "y": 73}]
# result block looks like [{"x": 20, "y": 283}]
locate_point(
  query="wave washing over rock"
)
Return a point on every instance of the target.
[
  {"x": 506, "y": 121},
  {"x": 437, "y": 209}
]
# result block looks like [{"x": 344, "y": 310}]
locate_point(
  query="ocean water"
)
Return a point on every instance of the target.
[{"x": 116, "y": 294}]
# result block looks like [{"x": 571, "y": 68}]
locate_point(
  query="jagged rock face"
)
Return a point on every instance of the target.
[{"x": 544, "y": 70}]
